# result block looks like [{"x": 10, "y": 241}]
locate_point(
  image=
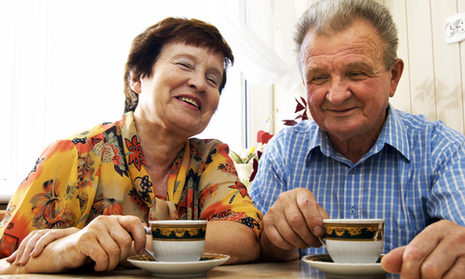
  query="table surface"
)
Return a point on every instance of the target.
[{"x": 293, "y": 269}]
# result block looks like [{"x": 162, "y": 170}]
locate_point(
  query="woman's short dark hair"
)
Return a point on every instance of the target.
[{"x": 146, "y": 48}]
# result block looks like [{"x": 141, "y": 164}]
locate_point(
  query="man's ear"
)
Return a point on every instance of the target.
[
  {"x": 134, "y": 82},
  {"x": 396, "y": 73}
]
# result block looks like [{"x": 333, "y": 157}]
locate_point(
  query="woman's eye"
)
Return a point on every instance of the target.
[
  {"x": 212, "y": 79},
  {"x": 185, "y": 65}
]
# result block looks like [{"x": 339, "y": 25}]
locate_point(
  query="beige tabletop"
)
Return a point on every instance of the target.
[{"x": 294, "y": 269}]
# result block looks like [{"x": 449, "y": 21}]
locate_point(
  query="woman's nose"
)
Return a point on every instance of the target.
[{"x": 197, "y": 81}]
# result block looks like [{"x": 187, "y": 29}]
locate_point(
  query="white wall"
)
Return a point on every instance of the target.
[
  {"x": 62, "y": 64},
  {"x": 61, "y": 71},
  {"x": 433, "y": 81}
]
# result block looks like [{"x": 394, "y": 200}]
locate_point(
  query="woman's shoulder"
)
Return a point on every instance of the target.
[
  {"x": 97, "y": 130},
  {"x": 204, "y": 143}
]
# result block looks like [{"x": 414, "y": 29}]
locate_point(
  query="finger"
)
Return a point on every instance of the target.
[
  {"x": 311, "y": 212},
  {"x": 112, "y": 250},
  {"x": 457, "y": 270},
  {"x": 283, "y": 219},
  {"x": 24, "y": 251},
  {"x": 392, "y": 261},
  {"x": 49, "y": 237},
  {"x": 12, "y": 257},
  {"x": 88, "y": 243},
  {"x": 295, "y": 230},
  {"x": 448, "y": 253},
  {"x": 417, "y": 251},
  {"x": 124, "y": 241},
  {"x": 135, "y": 227},
  {"x": 98, "y": 255},
  {"x": 323, "y": 212},
  {"x": 276, "y": 238}
]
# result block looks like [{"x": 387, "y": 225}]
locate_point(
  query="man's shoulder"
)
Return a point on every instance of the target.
[{"x": 420, "y": 126}]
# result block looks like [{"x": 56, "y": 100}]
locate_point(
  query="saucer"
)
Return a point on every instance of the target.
[
  {"x": 178, "y": 269},
  {"x": 344, "y": 270}
]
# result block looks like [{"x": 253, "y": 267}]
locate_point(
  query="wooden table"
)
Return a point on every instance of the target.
[{"x": 294, "y": 269}]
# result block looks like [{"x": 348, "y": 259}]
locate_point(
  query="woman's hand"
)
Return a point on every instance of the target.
[
  {"x": 35, "y": 242},
  {"x": 107, "y": 241}
]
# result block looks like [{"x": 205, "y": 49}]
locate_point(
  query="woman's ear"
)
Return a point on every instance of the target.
[{"x": 134, "y": 82}]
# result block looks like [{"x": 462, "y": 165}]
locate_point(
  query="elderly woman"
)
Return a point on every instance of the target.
[{"x": 87, "y": 198}]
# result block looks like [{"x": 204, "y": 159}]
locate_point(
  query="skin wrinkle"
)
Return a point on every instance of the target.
[{"x": 342, "y": 71}]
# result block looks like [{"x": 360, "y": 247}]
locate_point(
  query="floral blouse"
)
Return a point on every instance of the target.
[{"x": 103, "y": 172}]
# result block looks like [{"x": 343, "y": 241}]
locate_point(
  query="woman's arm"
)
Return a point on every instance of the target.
[
  {"x": 233, "y": 239},
  {"x": 107, "y": 241}
]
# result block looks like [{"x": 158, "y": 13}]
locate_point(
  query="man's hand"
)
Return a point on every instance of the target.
[
  {"x": 437, "y": 252},
  {"x": 294, "y": 221}
]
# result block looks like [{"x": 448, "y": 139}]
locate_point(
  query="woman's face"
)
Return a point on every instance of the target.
[{"x": 182, "y": 93}]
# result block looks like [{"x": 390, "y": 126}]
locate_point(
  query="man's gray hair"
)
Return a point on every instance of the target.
[{"x": 336, "y": 15}]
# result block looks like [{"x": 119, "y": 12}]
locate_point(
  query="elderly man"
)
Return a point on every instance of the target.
[{"x": 360, "y": 157}]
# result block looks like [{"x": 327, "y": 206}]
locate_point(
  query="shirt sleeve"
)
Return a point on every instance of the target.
[
  {"x": 447, "y": 196},
  {"x": 45, "y": 199},
  {"x": 222, "y": 195}
]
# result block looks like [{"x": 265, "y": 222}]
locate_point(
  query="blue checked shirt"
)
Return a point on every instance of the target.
[{"x": 412, "y": 176}]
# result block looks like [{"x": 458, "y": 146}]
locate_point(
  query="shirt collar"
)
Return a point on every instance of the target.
[{"x": 393, "y": 134}]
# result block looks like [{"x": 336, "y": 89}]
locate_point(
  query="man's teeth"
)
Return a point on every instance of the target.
[{"x": 189, "y": 100}]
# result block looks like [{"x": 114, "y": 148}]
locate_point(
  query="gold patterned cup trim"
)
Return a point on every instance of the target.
[
  {"x": 169, "y": 232},
  {"x": 354, "y": 231}
]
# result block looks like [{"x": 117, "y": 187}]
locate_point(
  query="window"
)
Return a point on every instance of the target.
[{"x": 63, "y": 70}]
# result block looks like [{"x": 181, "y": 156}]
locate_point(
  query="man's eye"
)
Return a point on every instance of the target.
[
  {"x": 357, "y": 75},
  {"x": 318, "y": 79}
]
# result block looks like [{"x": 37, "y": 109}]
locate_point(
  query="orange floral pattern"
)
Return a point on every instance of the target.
[{"x": 102, "y": 171}]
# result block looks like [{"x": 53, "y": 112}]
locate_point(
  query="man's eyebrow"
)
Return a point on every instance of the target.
[
  {"x": 360, "y": 65},
  {"x": 315, "y": 70}
]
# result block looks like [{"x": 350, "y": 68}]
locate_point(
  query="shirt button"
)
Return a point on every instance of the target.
[{"x": 352, "y": 210}]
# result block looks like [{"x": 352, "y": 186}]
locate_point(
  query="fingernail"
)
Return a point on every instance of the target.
[{"x": 318, "y": 231}]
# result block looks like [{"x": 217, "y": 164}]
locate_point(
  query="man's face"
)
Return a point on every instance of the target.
[{"x": 348, "y": 87}]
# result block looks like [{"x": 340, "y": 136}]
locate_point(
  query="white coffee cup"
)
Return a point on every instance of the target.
[
  {"x": 354, "y": 240},
  {"x": 177, "y": 240}
]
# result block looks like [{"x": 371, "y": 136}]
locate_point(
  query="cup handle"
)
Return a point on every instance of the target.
[
  {"x": 148, "y": 231},
  {"x": 322, "y": 240}
]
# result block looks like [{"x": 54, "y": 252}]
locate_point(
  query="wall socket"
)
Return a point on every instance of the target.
[{"x": 454, "y": 28}]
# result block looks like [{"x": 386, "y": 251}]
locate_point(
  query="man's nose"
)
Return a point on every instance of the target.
[{"x": 338, "y": 92}]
